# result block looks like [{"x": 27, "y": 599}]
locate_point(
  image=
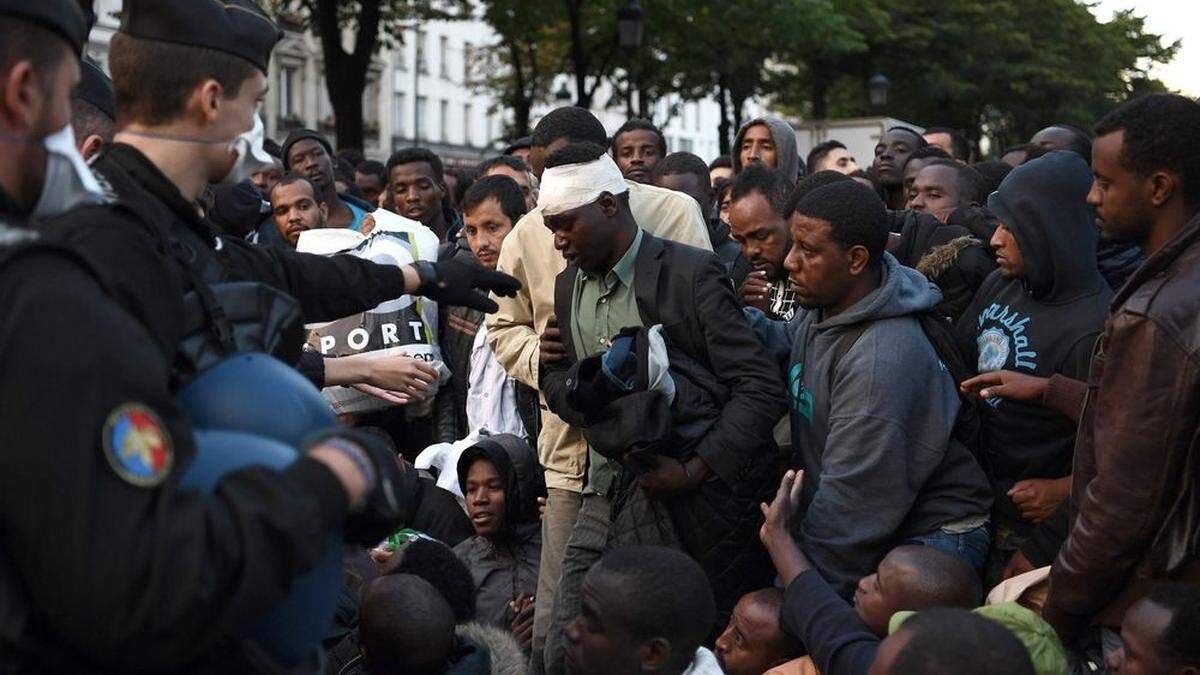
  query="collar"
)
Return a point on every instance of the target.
[
  {"x": 154, "y": 181},
  {"x": 625, "y": 266}
]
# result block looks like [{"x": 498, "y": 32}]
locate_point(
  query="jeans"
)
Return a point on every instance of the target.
[
  {"x": 562, "y": 508},
  {"x": 972, "y": 545},
  {"x": 584, "y": 549}
]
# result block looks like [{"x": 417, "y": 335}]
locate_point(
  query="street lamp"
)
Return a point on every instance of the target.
[
  {"x": 877, "y": 90},
  {"x": 563, "y": 94},
  {"x": 629, "y": 25}
]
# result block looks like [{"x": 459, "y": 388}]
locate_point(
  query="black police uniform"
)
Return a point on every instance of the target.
[{"x": 101, "y": 567}]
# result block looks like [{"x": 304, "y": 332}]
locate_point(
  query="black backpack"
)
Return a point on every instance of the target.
[{"x": 968, "y": 427}]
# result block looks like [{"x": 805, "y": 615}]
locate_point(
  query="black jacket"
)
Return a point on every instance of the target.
[
  {"x": 457, "y": 328},
  {"x": 152, "y": 212},
  {"x": 955, "y": 257},
  {"x": 98, "y": 573},
  {"x": 688, "y": 292}
]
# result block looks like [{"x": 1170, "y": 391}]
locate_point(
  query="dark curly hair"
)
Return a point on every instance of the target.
[
  {"x": 1160, "y": 133},
  {"x": 855, "y": 216}
]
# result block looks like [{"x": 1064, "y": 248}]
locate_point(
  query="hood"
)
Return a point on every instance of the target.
[
  {"x": 902, "y": 291},
  {"x": 785, "y": 146},
  {"x": 518, "y": 467},
  {"x": 1043, "y": 202},
  {"x": 504, "y": 652}
]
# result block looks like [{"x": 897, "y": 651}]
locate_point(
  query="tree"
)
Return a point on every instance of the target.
[
  {"x": 368, "y": 23},
  {"x": 1013, "y": 66},
  {"x": 520, "y": 66}
]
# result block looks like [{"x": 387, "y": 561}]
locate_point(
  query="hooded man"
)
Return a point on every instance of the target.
[
  {"x": 502, "y": 483},
  {"x": 770, "y": 141},
  {"x": 1039, "y": 314},
  {"x": 870, "y": 397}
]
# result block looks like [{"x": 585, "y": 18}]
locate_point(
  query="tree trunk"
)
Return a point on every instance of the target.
[
  {"x": 579, "y": 57},
  {"x": 739, "y": 104},
  {"x": 723, "y": 134},
  {"x": 820, "y": 91},
  {"x": 346, "y": 73},
  {"x": 521, "y": 102}
]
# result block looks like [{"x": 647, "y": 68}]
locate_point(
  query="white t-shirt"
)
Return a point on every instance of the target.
[{"x": 491, "y": 393}]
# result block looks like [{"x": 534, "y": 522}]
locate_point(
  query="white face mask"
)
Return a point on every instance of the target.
[
  {"x": 251, "y": 157},
  {"x": 69, "y": 182}
]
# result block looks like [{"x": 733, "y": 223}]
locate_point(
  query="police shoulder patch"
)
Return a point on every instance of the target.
[{"x": 137, "y": 445}]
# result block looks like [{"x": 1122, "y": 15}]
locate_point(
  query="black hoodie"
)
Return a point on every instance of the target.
[
  {"x": 1041, "y": 324},
  {"x": 505, "y": 566}
]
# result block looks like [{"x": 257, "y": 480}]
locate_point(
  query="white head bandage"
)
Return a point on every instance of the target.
[{"x": 570, "y": 186}]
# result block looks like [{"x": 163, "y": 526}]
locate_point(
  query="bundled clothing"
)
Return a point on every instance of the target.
[
  {"x": 728, "y": 385},
  {"x": 787, "y": 156},
  {"x": 1042, "y": 323},
  {"x": 872, "y": 426},
  {"x": 1135, "y": 501},
  {"x": 505, "y": 565}
]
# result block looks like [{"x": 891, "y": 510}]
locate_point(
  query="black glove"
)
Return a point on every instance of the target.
[
  {"x": 388, "y": 505},
  {"x": 453, "y": 283}
]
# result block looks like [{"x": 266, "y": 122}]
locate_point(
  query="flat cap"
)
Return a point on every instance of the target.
[
  {"x": 96, "y": 88},
  {"x": 64, "y": 17},
  {"x": 236, "y": 27}
]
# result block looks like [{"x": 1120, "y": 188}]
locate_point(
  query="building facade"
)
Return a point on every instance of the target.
[{"x": 420, "y": 93}]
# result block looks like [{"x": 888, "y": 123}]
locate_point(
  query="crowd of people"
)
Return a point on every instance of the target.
[{"x": 765, "y": 415}]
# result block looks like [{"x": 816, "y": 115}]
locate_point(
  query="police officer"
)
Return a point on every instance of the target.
[
  {"x": 106, "y": 563},
  {"x": 188, "y": 76}
]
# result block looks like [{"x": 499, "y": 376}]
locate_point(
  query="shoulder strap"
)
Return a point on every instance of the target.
[{"x": 845, "y": 342}]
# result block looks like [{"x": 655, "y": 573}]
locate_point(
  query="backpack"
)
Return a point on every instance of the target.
[{"x": 968, "y": 426}]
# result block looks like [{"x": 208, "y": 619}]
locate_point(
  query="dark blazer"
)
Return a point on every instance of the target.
[{"x": 687, "y": 290}]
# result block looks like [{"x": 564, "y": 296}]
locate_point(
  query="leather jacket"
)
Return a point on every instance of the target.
[{"x": 1135, "y": 506}]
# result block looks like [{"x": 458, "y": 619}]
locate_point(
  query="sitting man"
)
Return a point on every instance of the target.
[
  {"x": 753, "y": 643},
  {"x": 841, "y": 638},
  {"x": 480, "y": 394},
  {"x": 1161, "y": 633},
  {"x": 296, "y": 205},
  {"x": 502, "y": 483},
  {"x": 618, "y": 277},
  {"x": 951, "y": 641},
  {"x": 871, "y": 399},
  {"x": 645, "y": 609}
]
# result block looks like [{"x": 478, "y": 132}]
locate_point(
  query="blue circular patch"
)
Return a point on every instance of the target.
[{"x": 137, "y": 445}]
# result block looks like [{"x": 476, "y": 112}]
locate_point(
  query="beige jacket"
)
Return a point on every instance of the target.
[{"x": 529, "y": 255}]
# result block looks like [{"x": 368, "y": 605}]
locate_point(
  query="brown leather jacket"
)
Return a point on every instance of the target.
[{"x": 1135, "y": 506}]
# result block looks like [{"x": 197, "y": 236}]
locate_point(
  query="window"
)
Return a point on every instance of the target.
[
  {"x": 399, "y": 109},
  {"x": 444, "y": 119},
  {"x": 401, "y": 55},
  {"x": 288, "y": 93},
  {"x": 685, "y": 145},
  {"x": 444, "y": 57},
  {"x": 422, "y": 63},
  {"x": 419, "y": 118},
  {"x": 468, "y": 114},
  {"x": 468, "y": 55},
  {"x": 370, "y": 103}
]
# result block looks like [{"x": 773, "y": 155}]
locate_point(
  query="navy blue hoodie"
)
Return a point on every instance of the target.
[{"x": 1043, "y": 323}]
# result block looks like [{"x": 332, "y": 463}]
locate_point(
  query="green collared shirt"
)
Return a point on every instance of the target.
[{"x": 600, "y": 307}]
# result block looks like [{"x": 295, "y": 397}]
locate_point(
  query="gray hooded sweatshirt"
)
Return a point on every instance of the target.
[
  {"x": 873, "y": 431},
  {"x": 787, "y": 157}
]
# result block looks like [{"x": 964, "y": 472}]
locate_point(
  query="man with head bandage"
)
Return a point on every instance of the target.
[
  {"x": 619, "y": 276},
  {"x": 513, "y": 332}
]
